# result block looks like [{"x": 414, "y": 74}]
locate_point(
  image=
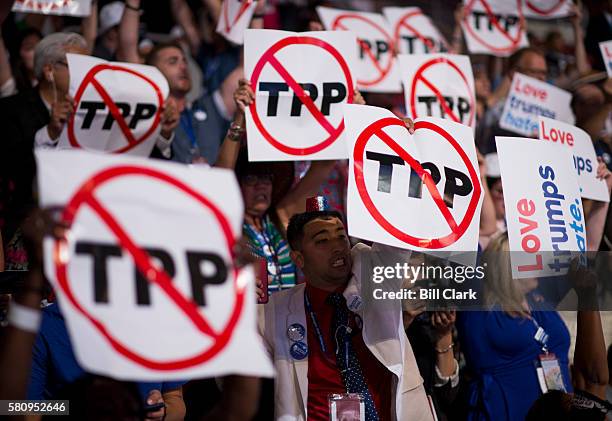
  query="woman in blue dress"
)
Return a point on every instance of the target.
[{"x": 502, "y": 346}]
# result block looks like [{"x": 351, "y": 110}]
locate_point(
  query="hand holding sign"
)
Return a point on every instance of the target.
[{"x": 61, "y": 111}]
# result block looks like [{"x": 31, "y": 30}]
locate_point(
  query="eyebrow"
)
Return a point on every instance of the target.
[{"x": 323, "y": 231}]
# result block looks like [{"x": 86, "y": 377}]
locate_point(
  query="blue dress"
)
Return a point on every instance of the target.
[{"x": 501, "y": 352}]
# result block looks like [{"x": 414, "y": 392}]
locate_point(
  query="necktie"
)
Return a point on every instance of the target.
[{"x": 346, "y": 357}]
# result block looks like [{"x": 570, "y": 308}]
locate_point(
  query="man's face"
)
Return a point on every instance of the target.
[
  {"x": 533, "y": 65},
  {"x": 172, "y": 63},
  {"x": 325, "y": 252}
]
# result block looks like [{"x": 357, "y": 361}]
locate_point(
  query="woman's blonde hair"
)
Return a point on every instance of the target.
[{"x": 499, "y": 287}]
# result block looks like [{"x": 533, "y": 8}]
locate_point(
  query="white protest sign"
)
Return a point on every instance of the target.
[
  {"x": 300, "y": 83},
  {"x": 54, "y": 7},
  {"x": 235, "y": 18},
  {"x": 530, "y": 98},
  {"x": 579, "y": 145},
  {"x": 387, "y": 200},
  {"x": 606, "y": 53},
  {"x": 439, "y": 85},
  {"x": 145, "y": 276},
  {"x": 544, "y": 211},
  {"x": 494, "y": 27},
  {"x": 413, "y": 31},
  {"x": 118, "y": 106},
  {"x": 547, "y": 9},
  {"x": 375, "y": 68}
]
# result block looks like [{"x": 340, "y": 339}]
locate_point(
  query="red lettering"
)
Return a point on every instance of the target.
[
  {"x": 536, "y": 266},
  {"x": 529, "y": 90},
  {"x": 529, "y": 225},
  {"x": 557, "y": 135}
]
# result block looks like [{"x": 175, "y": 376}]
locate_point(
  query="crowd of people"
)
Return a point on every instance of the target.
[{"x": 407, "y": 364}]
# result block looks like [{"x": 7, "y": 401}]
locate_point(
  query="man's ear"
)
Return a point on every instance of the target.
[{"x": 298, "y": 258}]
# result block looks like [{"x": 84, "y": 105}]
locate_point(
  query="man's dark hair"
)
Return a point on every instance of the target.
[
  {"x": 151, "y": 58},
  {"x": 513, "y": 60},
  {"x": 295, "y": 230}
]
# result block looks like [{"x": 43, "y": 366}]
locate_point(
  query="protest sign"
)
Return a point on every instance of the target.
[
  {"x": 375, "y": 68},
  {"x": 494, "y": 27},
  {"x": 530, "y": 98},
  {"x": 413, "y": 31},
  {"x": 235, "y": 18},
  {"x": 118, "y": 106},
  {"x": 432, "y": 176},
  {"x": 579, "y": 145},
  {"x": 439, "y": 85},
  {"x": 300, "y": 83},
  {"x": 606, "y": 52},
  {"x": 54, "y": 7},
  {"x": 149, "y": 250},
  {"x": 547, "y": 9},
  {"x": 544, "y": 211}
]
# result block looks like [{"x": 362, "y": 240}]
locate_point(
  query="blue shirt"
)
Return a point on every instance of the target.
[
  {"x": 54, "y": 365},
  {"x": 501, "y": 352},
  {"x": 200, "y": 132}
]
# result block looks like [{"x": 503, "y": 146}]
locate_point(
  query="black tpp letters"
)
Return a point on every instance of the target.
[{"x": 142, "y": 112}]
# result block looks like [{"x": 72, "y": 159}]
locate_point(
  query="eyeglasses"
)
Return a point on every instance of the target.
[{"x": 252, "y": 179}]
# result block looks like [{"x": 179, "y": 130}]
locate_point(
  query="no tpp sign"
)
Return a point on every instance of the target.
[
  {"x": 419, "y": 192},
  {"x": 116, "y": 276},
  {"x": 439, "y": 86},
  {"x": 118, "y": 106},
  {"x": 300, "y": 84}
]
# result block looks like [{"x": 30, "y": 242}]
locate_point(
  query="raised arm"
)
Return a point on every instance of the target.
[
  {"x": 89, "y": 26},
  {"x": 456, "y": 46},
  {"x": 184, "y": 17},
  {"x": 128, "y": 33},
  {"x": 488, "y": 220},
  {"x": 582, "y": 62},
  {"x": 214, "y": 7},
  {"x": 590, "y": 361},
  {"x": 7, "y": 87}
]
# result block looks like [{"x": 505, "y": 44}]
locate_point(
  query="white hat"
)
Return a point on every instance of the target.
[
  {"x": 492, "y": 165},
  {"x": 110, "y": 16}
]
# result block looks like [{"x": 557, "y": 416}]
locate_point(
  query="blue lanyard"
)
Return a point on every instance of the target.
[
  {"x": 315, "y": 324},
  {"x": 187, "y": 126}
]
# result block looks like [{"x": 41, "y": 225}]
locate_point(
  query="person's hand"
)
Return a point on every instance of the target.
[
  {"x": 482, "y": 164},
  {"x": 412, "y": 312},
  {"x": 244, "y": 95},
  {"x": 314, "y": 25},
  {"x": 357, "y": 98},
  {"x": 38, "y": 224},
  {"x": 443, "y": 321},
  {"x": 61, "y": 111},
  {"x": 409, "y": 124},
  {"x": 154, "y": 397},
  {"x": 603, "y": 173},
  {"x": 584, "y": 282},
  {"x": 575, "y": 14},
  {"x": 242, "y": 253},
  {"x": 259, "y": 290},
  {"x": 460, "y": 13},
  {"x": 170, "y": 118}
]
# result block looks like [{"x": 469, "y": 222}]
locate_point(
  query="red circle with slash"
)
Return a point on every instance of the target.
[
  {"x": 243, "y": 8},
  {"x": 514, "y": 42},
  {"x": 108, "y": 101},
  {"x": 418, "y": 77},
  {"x": 383, "y": 72},
  {"x": 544, "y": 12},
  {"x": 403, "y": 22},
  {"x": 457, "y": 229},
  {"x": 85, "y": 196},
  {"x": 269, "y": 58}
]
